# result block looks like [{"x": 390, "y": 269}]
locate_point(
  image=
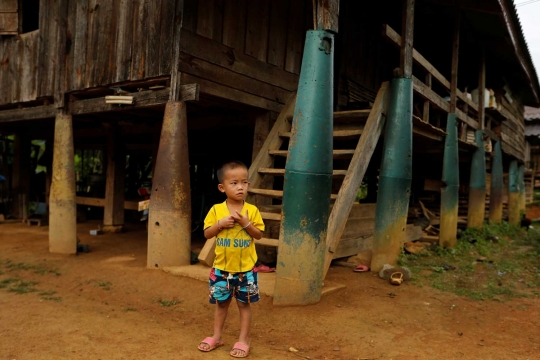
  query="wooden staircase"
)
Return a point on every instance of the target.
[{"x": 356, "y": 134}]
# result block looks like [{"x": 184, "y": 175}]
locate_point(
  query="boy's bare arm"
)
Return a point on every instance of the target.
[{"x": 225, "y": 223}]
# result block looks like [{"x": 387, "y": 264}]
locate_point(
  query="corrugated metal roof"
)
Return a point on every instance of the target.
[
  {"x": 520, "y": 44},
  {"x": 531, "y": 113},
  {"x": 532, "y": 130}
]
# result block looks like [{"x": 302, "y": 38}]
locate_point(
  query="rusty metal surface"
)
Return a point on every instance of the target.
[
  {"x": 169, "y": 224},
  {"x": 62, "y": 206}
]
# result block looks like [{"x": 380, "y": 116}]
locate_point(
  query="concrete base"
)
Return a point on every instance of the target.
[{"x": 266, "y": 280}]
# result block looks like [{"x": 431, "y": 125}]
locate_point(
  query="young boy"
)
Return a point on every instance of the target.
[{"x": 235, "y": 224}]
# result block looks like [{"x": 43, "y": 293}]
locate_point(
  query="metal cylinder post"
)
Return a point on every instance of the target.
[
  {"x": 62, "y": 202},
  {"x": 450, "y": 190},
  {"x": 521, "y": 184},
  {"x": 497, "y": 186},
  {"x": 477, "y": 184},
  {"x": 308, "y": 178},
  {"x": 169, "y": 223},
  {"x": 395, "y": 176},
  {"x": 513, "y": 194}
]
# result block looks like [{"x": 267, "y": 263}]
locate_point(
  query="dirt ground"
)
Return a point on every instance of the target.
[{"x": 107, "y": 305}]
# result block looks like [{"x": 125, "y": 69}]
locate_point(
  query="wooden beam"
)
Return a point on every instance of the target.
[
  {"x": 425, "y": 115},
  {"x": 357, "y": 169},
  {"x": 455, "y": 60},
  {"x": 31, "y": 113},
  {"x": 140, "y": 100},
  {"x": 225, "y": 92},
  {"x": 99, "y": 202},
  {"x": 328, "y": 15},
  {"x": 60, "y": 86},
  {"x": 407, "y": 29},
  {"x": 439, "y": 102},
  {"x": 113, "y": 216},
  {"x": 395, "y": 38},
  {"x": 175, "y": 89},
  {"x": 481, "y": 91}
]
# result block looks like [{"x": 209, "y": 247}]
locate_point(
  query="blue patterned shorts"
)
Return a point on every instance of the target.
[{"x": 224, "y": 286}]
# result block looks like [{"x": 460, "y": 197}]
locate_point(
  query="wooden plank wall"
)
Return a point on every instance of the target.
[
  {"x": 253, "y": 47},
  {"x": 18, "y": 64},
  {"x": 513, "y": 129}
]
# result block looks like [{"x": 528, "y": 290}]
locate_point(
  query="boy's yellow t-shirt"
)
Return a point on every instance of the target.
[{"x": 235, "y": 248}]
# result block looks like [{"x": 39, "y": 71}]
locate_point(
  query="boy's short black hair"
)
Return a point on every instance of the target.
[{"x": 230, "y": 165}]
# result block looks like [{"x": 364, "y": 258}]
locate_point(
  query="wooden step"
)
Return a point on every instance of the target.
[
  {"x": 347, "y": 114},
  {"x": 271, "y": 216},
  {"x": 267, "y": 242},
  {"x": 276, "y": 194},
  {"x": 337, "y": 133},
  {"x": 281, "y": 172},
  {"x": 351, "y": 114},
  {"x": 337, "y": 153}
]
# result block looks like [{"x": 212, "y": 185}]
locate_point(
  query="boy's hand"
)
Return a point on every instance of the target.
[
  {"x": 227, "y": 222},
  {"x": 242, "y": 220}
]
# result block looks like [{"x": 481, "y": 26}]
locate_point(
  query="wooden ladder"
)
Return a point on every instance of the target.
[{"x": 356, "y": 133}]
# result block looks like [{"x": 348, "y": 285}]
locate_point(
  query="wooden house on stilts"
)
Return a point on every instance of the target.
[{"x": 417, "y": 103}]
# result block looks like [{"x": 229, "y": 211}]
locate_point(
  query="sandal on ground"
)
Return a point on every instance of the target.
[
  {"x": 361, "y": 268},
  {"x": 264, "y": 269},
  {"x": 396, "y": 278},
  {"x": 213, "y": 344},
  {"x": 242, "y": 347}
]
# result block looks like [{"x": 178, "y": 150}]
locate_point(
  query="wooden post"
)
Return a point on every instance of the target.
[
  {"x": 497, "y": 185},
  {"x": 21, "y": 175},
  {"x": 513, "y": 194},
  {"x": 113, "y": 219},
  {"x": 169, "y": 224},
  {"x": 63, "y": 209},
  {"x": 262, "y": 129},
  {"x": 477, "y": 186},
  {"x": 407, "y": 32},
  {"x": 450, "y": 178},
  {"x": 426, "y": 102}
]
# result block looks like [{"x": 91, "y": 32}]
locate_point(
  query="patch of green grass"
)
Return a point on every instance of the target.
[
  {"x": 4, "y": 283},
  {"x": 47, "y": 293},
  {"x": 130, "y": 309},
  {"x": 37, "y": 269},
  {"x": 22, "y": 287},
  {"x": 497, "y": 262},
  {"x": 106, "y": 285},
  {"x": 168, "y": 303}
]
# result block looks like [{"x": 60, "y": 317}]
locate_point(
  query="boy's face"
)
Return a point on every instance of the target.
[{"x": 235, "y": 183}]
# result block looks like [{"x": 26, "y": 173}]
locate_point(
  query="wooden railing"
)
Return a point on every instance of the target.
[{"x": 425, "y": 91}]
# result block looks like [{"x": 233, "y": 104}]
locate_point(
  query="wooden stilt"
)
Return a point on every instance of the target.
[
  {"x": 113, "y": 219},
  {"x": 63, "y": 209},
  {"x": 21, "y": 176},
  {"x": 262, "y": 129},
  {"x": 169, "y": 224}
]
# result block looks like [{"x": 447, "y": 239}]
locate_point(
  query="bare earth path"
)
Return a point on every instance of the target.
[{"x": 106, "y": 306}]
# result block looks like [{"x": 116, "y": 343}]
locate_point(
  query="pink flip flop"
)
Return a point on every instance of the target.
[
  {"x": 361, "y": 268},
  {"x": 240, "y": 346},
  {"x": 211, "y": 342},
  {"x": 264, "y": 269}
]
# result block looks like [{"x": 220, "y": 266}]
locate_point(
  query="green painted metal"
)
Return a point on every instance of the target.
[
  {"x": 513, "y": 193},
  {"x": 513, "y": 179},
  {"x": 477, "y": 183},
  {"x": 497, "y": 185},
  {"x": 521, "y": 184},
  {"x": 308, "y": 178},
  {"x": 478, "y": 165},
  {"x": 450, "y": 190},
  {"x": 395, "y": 176}
]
